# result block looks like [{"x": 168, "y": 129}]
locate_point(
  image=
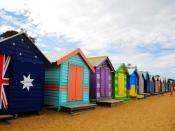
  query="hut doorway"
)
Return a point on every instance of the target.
[
  {"x": 105, "y": 82},
  {"x": 75, "y": 83},
  {"x": 121, "y": 82}
]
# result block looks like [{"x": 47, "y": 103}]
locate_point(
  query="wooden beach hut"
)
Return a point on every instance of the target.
[
  {"x": 120, "y": 82},
  {"x": 164, "y": 85},
  {"x": 133, "y": 82},
  {"x": 157, "y": 84},
  {"x": 152, "y": 84},
  {"x": 101, "y": 81},
  {"x": 67, "y": 81},
  {"x": 141, "y": 82},
  {"x": 168, "y": 85},
  {"x": 146, "y": 82},
  {"x": 22, "y": 69}
]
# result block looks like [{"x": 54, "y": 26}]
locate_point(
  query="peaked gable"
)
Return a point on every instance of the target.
[
  {"x": 146, "y": 75},
  {"x": 22, "y": 48},
  {"x": 122, "y": 67},
  {"x": 57, "y": 59},
  {"x": 100, "y": 60}
]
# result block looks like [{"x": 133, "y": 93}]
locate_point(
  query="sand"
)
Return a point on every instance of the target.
[{"x": 155, "y": 113}]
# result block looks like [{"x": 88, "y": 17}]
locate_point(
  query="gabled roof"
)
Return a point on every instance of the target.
[
  {"x": 30, "y": 44},
  {"x": 140, "y": 73},
  {"x": 97, "y": 61},
  {"x": 118, "y": 66},
  {"x": 151, "y": 77},
  {"x": 132, "y": 69},
  {"x": 156, "y": 77},
  {"x": 145, "y": 74},
  {"x": 60, "y": 57}
]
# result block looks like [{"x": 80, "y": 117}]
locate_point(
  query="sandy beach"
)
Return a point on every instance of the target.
[{"x": 155, "y": 113}]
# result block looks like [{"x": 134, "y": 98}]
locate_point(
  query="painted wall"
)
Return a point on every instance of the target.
[
  {"x": 141, "y": 84},
  {"x": 52, "y": 80},
  {"x": 101, "y": 82},
  {"x": 132, "y": 84},
  {"x": 22, "y": 100},
  {"x": 120, "y": 86},
  {"x": 59, "y": 76}
]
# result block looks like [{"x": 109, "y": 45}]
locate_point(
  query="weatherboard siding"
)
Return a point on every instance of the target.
[
  {"x": 52, "y": 77},
  {"x": 13, "y": 46},
  {"x": 64, "y": 80},
  {"x": 120, "y": 87}
]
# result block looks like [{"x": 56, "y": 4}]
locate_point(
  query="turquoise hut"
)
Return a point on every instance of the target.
[{"x": 67, "y": 80}]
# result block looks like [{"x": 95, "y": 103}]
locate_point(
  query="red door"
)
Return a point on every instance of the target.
[{"x": 75, "y": 83}]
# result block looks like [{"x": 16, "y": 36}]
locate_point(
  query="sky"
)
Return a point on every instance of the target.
[{"x": 139, "y": 32}]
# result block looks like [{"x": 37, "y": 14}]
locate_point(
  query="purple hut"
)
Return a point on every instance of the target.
[{"x": 101, "y": 79}]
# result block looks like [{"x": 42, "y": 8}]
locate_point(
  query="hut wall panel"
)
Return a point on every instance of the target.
[
  {"x": 27, "y": 52},
  {"x": 93, "y": 85},
  {"x": 76, "y": 60},
  {"x": 141, "y": 85},
  {"x": 52, "y": 77},
  {"x": 21, "y": 100}
]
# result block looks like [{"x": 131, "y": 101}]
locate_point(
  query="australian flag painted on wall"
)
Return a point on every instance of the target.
[
  {"x": 4, "y": 80},
  {"x": 21, "y": 75},
  {"x": 26, "y": 87}
]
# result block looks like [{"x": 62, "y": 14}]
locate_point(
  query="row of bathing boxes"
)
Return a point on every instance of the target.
[{"x": 29, "y": 79}]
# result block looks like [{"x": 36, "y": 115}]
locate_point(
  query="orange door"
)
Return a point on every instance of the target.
[
  {"x": 72, "y": 83},
  {"x": 75, "y": 83},
  {"x": 79, "y": 83}
]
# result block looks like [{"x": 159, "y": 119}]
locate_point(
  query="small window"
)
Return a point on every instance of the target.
[
  {"x": 98, "y": 94},
  {"x": 98, "y": 76},
  {"x": 109, "y": 85},
  {"x": 109, "y": 77},
  {"x": 98, "y": 85},
  {"x": 109, "y": 93}
]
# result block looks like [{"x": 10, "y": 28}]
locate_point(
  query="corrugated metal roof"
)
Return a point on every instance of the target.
[
  {"x": 54, "y": 56},
  {"x": 61, "y": 56},
  {"x": 140, "y": 73},
  {"x": 117, "y": 65},
  {"x": 96, "y": 61},
  {"x": 131, "y": 71}
]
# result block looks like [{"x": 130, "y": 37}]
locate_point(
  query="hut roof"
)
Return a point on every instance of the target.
[
  {"x": 97, "y": 61},
  {"x": 59, "y": 57},
  {"x": 156, "y": 77},
  {"x": 132, "y": 69},
  {"x": 118, "y": 66},
  {"x": 140, "y": 73},
  {"x": 30, "y": 44},
  {"x": 145, "y": 74}
]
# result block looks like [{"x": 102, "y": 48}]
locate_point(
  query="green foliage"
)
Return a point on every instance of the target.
[{"x": 13, "y": 32}]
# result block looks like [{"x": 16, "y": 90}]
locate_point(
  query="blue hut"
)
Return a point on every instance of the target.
[
  {"x": 21, "y": 75},
  {"x": 168, "y": 85},
  {"x": 133, "y": 82},
  {"x": 146, "y": 82},
  {"x": 152, "y": 84}
]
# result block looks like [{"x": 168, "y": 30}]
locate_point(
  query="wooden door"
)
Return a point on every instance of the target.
[
  {"x": 102, "y": 82},
  {"x": 75, "y": 91},
  {"x": 79, "y": 83}
]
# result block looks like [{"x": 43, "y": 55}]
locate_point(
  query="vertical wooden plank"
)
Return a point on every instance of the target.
[
  {"x": 79, "y": 83},
  {"x": 72, "y": 83}
]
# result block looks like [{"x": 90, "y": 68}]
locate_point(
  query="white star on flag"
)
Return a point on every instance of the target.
[{"x": 27, "y": 82}]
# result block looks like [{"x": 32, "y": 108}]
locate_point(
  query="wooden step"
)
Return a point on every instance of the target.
[
  {"x": 109, "y": 102},
  {"x": 155, "y": 93},
  {"x": 5, "y": 116},
  {"x": 77, "y": 108}
]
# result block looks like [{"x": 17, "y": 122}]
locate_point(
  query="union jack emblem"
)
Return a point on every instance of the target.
[{"x": 4, "y": 63}]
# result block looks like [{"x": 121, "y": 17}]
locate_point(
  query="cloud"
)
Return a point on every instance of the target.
[{"x": 137, "y": 32}]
